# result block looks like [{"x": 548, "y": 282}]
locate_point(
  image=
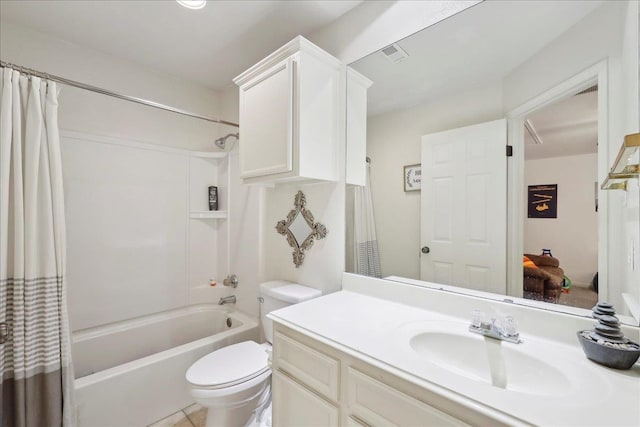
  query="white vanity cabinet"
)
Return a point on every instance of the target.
[
  {"x": 315, "y": 384},
  {"x": 291, "y": 115}
]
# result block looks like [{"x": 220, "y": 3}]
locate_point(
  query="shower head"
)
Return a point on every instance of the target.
[{"x": 222, "y": 141}]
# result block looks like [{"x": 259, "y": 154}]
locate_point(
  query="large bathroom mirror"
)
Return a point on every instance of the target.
[{"x": 544, "y": 76}]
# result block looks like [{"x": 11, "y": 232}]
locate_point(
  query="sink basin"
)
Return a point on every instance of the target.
[{"x": 516, "y": 367}]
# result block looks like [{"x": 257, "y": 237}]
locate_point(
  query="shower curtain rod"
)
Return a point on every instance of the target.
[{"x": 96, "y": 89}]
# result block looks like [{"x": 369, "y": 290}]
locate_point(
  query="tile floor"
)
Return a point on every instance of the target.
[{"x": 191, "y": 416}]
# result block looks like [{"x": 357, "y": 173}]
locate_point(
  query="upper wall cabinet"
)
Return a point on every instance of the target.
[{"x": 290, "y": 115}]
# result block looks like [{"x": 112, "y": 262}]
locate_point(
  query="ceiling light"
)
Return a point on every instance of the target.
[{"x": 192, "y": 4}]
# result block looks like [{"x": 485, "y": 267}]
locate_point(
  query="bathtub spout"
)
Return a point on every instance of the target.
[{"x": 227, "y": 300}]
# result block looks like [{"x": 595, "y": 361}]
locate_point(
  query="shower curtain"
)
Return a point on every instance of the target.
[
  {"x": 36, "y": 378},
  {"x": 366, "y": 257}
]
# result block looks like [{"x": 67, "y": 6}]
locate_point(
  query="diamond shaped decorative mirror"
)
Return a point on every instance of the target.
[{"x": 300, "y": 229}]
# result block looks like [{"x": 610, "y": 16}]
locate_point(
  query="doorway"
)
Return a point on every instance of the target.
[
  {"x": 559, "y": 144},
  {"x": 560, "y": 233}
]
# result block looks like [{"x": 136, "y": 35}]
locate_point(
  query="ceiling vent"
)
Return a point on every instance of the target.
[
  {"x": 394, "y": 53},
  {"x": 593, "y": 88}
]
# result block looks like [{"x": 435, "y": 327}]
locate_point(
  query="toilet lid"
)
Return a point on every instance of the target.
[{"x": 228, "y": 366}]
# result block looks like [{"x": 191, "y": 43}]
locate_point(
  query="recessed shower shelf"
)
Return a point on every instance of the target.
[{"x": 208, "y": 214}]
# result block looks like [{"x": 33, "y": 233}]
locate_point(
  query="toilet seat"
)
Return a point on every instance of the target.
[{"x": 229, "y": 366}]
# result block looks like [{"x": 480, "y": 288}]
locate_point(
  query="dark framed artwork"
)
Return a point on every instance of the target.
[{"x": 542, "y": 201}]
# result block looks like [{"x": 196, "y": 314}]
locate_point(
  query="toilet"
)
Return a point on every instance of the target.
[{"x": 234, "y": 382}]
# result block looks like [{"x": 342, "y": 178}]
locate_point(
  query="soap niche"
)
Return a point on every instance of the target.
[{"x": 208, "y": 231}]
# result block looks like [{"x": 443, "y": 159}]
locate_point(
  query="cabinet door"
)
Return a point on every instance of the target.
[
  {"x": 316, "y": 370},
  {"x": 356, "y": 166},
  {"x": 266, "y": 122},
  {"x": 375, "y": 403},
  {"x": 294, "y": 405}
]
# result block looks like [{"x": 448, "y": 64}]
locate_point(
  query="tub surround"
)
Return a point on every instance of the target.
[{"x": 374, "y": 321}]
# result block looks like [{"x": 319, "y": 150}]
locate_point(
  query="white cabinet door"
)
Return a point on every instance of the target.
[
  {"x": 295, "y": 406},
  {"x": 314, "y": 369},
  {"x": 464, "y": 207},
  {"x": 266, "y": 115},
  {"x": 356, "y": 167},
  {"x": 370, "y": 402}
]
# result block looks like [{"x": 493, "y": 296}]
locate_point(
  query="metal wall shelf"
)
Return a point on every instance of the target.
[{"x": 621, "y": 171}]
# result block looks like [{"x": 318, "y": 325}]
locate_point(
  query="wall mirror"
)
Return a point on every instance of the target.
[
  {"x": 300, "y": 229},
  {"x": 544, "y": 76}
]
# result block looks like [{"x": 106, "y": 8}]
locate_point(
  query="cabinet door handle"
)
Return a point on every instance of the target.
[{"x": 425, "y": 250}]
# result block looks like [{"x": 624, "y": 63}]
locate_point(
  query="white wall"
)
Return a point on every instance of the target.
[
  {"x": 393, "y": 141},
  {"x": 573, "y": 235},
  {"x": 245, "y": 222},
  {"x": 324, "y": 262},
  {"x": 98, "y": 114},
  {"x": 594, "y": 38}
]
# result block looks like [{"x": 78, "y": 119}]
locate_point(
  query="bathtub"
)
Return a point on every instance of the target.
[{"x": 131, "y": 373}]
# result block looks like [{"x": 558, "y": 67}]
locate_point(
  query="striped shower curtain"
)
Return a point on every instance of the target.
[
  {"x": 366, "y": 256},
  {"x": 36, "y": 379}
]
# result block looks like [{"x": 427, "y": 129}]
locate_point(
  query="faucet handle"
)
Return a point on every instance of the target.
[
  {"x": 231, "y": 280},
  {"x": 510, "y": 326},
  {"x": 477, "y": 318}
]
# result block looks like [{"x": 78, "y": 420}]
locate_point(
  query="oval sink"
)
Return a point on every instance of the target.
[{"x": 498, "y": 363}]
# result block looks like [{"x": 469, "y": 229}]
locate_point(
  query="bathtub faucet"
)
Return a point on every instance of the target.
[{"x": 227, "y": 300}]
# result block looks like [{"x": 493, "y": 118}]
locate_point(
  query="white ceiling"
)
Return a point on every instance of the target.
[
  {"x": 209, "y": 46},
  {"x": 480, "y": 45},
  {"x": 566, "y": 128}
]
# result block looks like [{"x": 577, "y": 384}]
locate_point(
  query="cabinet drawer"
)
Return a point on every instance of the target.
[
  {"x": 379, "y": 404},
  {"x": 316, "y": 370},
  {"x": 295, "y": 406}
]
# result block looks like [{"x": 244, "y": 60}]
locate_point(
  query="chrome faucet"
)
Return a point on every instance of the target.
[
  {"x": 505, "y": 329},
  {"x": 227, "y": 300}
]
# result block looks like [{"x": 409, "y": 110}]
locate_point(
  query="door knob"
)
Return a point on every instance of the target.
[{"x": 425, "y": 250}]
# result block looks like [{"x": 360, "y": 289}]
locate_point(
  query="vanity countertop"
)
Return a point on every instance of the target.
[{"x": 572, "y": 391}]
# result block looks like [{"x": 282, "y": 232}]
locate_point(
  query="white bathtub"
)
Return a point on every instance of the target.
[{"x": 131, "y": 373}]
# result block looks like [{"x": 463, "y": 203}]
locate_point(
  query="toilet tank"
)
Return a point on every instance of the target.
[{"x": 278, "y": 294}]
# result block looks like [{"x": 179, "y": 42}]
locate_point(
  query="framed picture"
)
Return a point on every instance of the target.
[
  {"x": 413, "y": 177},
  {"x": 543, "y": 201}
]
